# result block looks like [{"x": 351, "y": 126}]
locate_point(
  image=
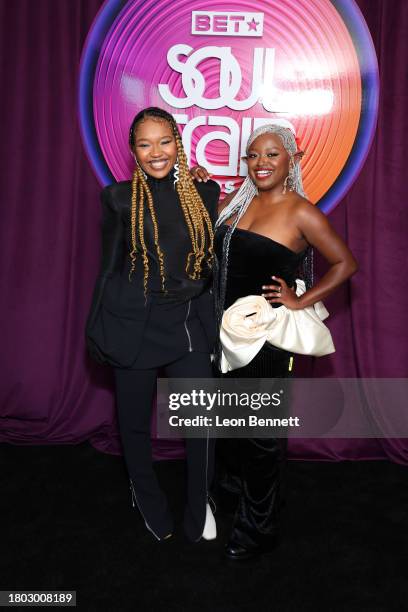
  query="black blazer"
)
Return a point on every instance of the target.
[{"x": 119, "y": 311}]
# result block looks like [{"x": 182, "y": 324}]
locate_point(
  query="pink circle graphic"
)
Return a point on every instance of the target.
[{"x": 313, "y": 64}]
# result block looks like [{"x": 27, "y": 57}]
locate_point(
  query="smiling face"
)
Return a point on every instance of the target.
[
  {"x": 155, "y": 147},
  {"x": 268, "y": 162}
]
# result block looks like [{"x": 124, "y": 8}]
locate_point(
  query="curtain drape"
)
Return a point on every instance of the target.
[{"x": 49, "y": 248}]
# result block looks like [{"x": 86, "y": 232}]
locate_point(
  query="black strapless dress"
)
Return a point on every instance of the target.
[
  {"x": 253, "y": 468},
  {"x": 253, "y": 260}
]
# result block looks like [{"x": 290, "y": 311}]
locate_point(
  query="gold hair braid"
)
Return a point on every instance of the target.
[
  {"x": 195, "y": 214},
  {"x": 133, "y": 212},
  {"x": 200, "y": 210},
  {"x": 155, "y": 230},
  {"x": 140, "y": 190},
  {"x": 141, "y": 234}
]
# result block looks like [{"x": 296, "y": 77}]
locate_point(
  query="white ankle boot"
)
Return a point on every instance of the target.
[{"x": 210, "y": 528}]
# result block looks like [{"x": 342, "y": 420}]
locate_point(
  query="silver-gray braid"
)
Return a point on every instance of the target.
[{"x": 239, "y": 205}]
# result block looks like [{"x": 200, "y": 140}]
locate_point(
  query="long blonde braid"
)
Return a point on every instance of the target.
[{"x": 195, "y": 214}]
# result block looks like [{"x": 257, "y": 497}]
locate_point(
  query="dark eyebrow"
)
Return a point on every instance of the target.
[
  {"x": 147, "y": 139},
  {"x": 267, "y": 150}
]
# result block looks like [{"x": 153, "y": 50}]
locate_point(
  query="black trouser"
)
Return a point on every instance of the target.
[
  {"x": 135, "y": 391},
  {"x": 253, "y": 468}
]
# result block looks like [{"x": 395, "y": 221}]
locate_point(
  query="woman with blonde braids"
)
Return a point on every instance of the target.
[{"x": 152, "y": 307}]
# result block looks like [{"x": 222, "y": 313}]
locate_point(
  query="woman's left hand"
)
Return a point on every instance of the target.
[{"x": 281, "y": 294}]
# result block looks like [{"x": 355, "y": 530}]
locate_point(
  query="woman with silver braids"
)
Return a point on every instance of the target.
[{"x": 264, "y": 238}]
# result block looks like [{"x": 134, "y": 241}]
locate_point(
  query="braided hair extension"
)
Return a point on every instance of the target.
[
  {"x": 239, "y": 204},
  {"x": 195, "y": 213}
]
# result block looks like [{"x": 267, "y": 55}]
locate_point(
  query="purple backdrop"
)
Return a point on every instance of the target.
[{"x": 51, "y": 392}]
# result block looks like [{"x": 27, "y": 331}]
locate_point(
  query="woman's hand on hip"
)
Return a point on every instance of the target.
[{"x": 281, "y": 294}]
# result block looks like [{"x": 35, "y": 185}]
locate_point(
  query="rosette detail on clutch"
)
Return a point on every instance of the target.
[{"x": 251, "y": 321}]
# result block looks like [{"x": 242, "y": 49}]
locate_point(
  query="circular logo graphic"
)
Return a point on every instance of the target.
[{"x": 224, "y": 68}]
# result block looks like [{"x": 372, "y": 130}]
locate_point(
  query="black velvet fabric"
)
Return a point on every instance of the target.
[
  {"x": 250, "y": 468},
  {"x": 252, "y": 260}
]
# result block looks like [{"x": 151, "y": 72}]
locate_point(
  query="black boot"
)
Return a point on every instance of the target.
[{"x": 241, "y": 546}]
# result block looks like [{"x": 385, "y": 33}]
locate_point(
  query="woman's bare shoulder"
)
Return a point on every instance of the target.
[
  {"x": 308, "y": 217},
  {"x": 303, "y": 207}
]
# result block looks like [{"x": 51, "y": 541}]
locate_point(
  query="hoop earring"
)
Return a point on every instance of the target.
[{"x": 176, "y": 173}]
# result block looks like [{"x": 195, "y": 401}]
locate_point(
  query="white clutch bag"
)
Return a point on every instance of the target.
[{"x": 251, "y": 321}]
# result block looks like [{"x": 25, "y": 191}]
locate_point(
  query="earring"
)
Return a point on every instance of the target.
[
  {"x": 141, "y": 170},
  {"x": 290, "y": 179},
  {"x": 176, "y": 173}
]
